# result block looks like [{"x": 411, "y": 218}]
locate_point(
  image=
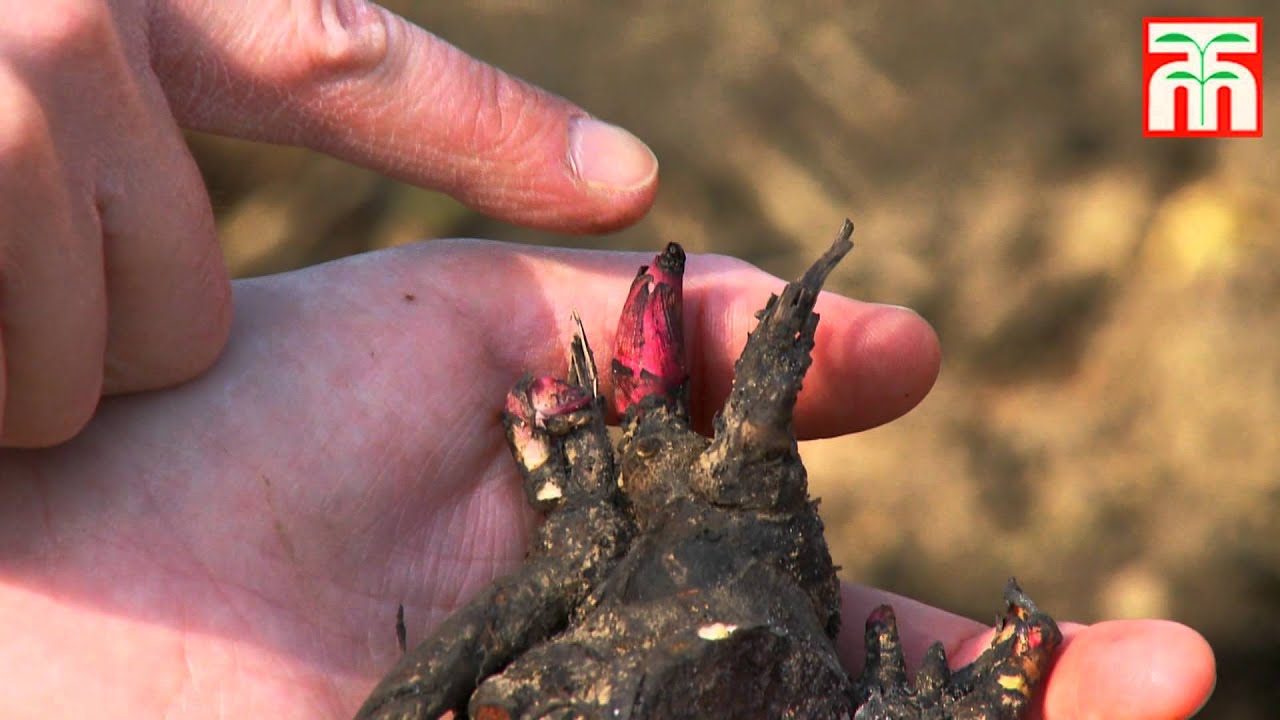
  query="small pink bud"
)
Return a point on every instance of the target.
[
  {"x": 882, "y": 616},
  {"x": 532, "y": 448},
  {"x": 648, "y": 355},
  {"x": 553, "y": 398},
  {"x": 548, "y": 404},
  {"x": 539, "y": 408},
  {"x": 1034, "y": 638}
]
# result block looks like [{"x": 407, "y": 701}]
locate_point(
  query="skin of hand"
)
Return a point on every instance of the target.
[
  {"x": 236, "y": 546},
  {"x": 111, "y": 279}
]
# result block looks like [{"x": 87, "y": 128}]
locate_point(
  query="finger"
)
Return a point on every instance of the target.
[
  {"x": 873, "y": 362},
  {"x": 349, "y": 78},
  {"x": 170, "y": 297},
  {"x": 1128, "y": 670},
  {"x": 168, "y": 303},
  {"x": 919, "y": 625},
  {"x": 52, "y": 326},
  {"x": 1131, "y": 670}
]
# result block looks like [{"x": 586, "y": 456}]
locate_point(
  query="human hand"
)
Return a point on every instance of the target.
[
  {"x": 1117, "y": 670},
  {"x": 237, "y": 546},
  {"x": 111, "y": 278}
]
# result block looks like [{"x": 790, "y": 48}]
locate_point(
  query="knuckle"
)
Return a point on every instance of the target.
[
  {"x": 499, "y": 125},
  {"x": 338, "y": 38},
  {"x": 498, "y": 114},
  {"x": 172, "y": 333},
  {"x": 209, "y": 302}
]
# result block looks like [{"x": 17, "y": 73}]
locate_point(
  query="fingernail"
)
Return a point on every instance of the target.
[
  {"x": 913, "y": 311},
  {"x": 609, "y": 158}
]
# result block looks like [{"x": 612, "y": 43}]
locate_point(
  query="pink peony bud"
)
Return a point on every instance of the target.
[
  {"x": 648, "y": 356},
  {"x": 532, "y": 447},
  {"x": 538, "y": 408},
  {"x": 547, "y": 403},
  {"x": 553, "y": 398}
]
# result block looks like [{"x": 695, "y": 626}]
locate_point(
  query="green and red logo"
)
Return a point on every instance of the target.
[{"x": 1202, "y": 77}]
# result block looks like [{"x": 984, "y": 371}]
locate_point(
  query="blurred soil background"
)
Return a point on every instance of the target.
[{"x": 1107, "y": 421}]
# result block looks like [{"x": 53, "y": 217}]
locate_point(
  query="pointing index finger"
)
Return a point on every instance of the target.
[{"x": 352, "y": 79}]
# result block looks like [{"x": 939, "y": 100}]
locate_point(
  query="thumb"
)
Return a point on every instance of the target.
[{"x": 352, "y": 79}]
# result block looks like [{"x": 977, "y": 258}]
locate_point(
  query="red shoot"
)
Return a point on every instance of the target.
[{"x": 648, "y": 356}]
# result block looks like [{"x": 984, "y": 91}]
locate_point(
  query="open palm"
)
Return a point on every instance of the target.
[{"x": 237, "y": 546}]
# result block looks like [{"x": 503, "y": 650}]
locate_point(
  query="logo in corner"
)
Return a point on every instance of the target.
[{"x": 1202, "y": 77}]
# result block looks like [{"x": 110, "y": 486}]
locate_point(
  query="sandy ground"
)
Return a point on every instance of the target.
[{"x": 1105, "y": 425}]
